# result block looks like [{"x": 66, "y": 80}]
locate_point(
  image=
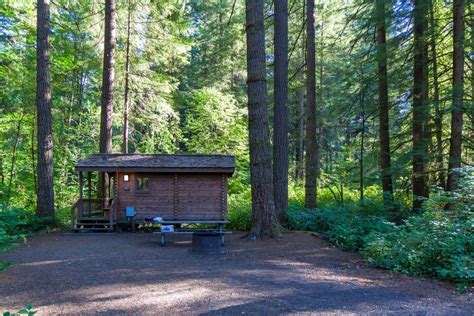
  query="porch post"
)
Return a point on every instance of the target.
[
  {"x": 81, "y": 195},
  {"x": 89, "y": 189},
  {"x": 111, "y": 219},
  {"x": 89, "y": 185},
  {"x": 115, "y": 200}
]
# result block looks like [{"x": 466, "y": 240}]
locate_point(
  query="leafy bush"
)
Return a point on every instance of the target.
[
  {"x": 437, "y": 243},
  {"x": 240, "y": 211},
  {"x": 15, "y": 225},
  {"x": 342, "y": 225}
]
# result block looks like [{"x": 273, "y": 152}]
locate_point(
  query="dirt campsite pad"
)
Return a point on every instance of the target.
[{"x": 132, "y": 274}]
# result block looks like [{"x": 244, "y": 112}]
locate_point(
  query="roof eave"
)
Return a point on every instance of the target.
[{"x": 154, "y": 170}]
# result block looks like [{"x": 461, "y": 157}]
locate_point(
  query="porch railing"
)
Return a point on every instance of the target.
[{"x": 94, "y": 207}]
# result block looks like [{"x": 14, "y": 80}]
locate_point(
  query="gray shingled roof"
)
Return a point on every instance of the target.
[{"x": 157, "y": 163}]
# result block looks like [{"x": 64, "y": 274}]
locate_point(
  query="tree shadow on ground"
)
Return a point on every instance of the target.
[{"x": 133, "y": 274}]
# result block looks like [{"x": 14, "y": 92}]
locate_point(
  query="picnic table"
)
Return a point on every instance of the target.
[{"x": 218, "y": 227}]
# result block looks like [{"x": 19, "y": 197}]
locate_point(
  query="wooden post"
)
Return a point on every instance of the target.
[
  {"x": 175, "y": 197},
  {"x": 116, "y": 196},
  {"x": 223, "y": 196},
  {"x": 89, "y": 189},
  {"x": 81, "y": 195},
  {"x": 111, "y": 219},
  {"x": 72, "y": 214},
  {"x": 89, "y": 185}
]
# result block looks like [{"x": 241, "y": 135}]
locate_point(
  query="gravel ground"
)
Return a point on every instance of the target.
[{"x": 131, "y": 274}]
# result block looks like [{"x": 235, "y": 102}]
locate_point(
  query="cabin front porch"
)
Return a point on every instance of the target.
[{"x": 97, "y": 214}]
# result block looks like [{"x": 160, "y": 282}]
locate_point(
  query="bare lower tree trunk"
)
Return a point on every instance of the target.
[
  {"x": 264, "y": 219},
  {"x": 361, "y": 151},
  {"x": 45, "y": 196},
  {"x": 319, "y": 109},
  {"x": 300, "y": 149},
  {"x": 420, "y": 113},
  {"x": 438, "y": 119},
  {"x": 311, "y": 146},
  {"x": 471, "y": 21},
  {"x": 108, "y": 76},
  {"x": 458, "y": 94},
  {"x": 384, "y": 134},
  {"x": 127, "y": 79},
  {"x": 106, "y": 101},
  {"x": 280, "y": 116},
  {"x": 301, "y": 107}
]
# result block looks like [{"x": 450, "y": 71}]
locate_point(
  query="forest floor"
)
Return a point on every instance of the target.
[{"x": 131, "y": 274}]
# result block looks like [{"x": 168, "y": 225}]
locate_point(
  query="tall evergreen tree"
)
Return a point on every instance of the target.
[
  {"x": 108, "y": 76},
  {"x": 458, "y": 95},
  {"x": 127, "y": 83},
  {"x": 385, "y": 165},
  {"x": 107, "y": 96},
  {"x": 264, "y": 220},
  {"x": 311, "y": 146},
  {"x": 420, "y": 106},
  {"x": 45, "y": 194},
  {"x": 438, "y": 114},
  {"x": 280, "y": 116}
]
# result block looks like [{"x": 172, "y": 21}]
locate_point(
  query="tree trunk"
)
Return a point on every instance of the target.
[
  {"x": 420, "y": 113},
  {"x": 280, "y": 116},
  {"x": 108, "y": 74},
  {"x": 301, "y": 107},
  {"x": 319, "y": 109},
  {"x": 361, "y": 151},
  {"x": 45, "y": 196},
  {"x": 300, "y": 149},
  {"x": 458, "y": 94},
  {"x": 311, "y": 146},
  {"x": 438, "y": 119},
  {"x": 107, "y": 79},
  {"x": 384, "y": 134},
  {"x": 471, "y": 21},
  {"x": 127, "y": 78},
  {"x": 264, "y": 219}
]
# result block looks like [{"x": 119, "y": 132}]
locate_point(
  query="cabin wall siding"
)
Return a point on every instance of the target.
[{"x": 183, "y": 196}]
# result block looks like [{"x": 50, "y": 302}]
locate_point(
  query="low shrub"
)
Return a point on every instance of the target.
[
  {"x": 436, "y": 243},
  {"x": 240, "y": 211},
  {"x": 342, "y": 225},
  {"x": 16, "y": 224}
]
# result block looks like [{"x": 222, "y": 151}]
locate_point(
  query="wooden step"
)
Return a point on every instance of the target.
[
  {"x": 92, "y": 230},
  {"x": 93, "y": 220}
]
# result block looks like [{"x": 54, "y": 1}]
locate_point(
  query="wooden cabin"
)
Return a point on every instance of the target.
[{"x": 139, "y": 187}]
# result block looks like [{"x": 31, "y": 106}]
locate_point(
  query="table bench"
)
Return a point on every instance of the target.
[{"x": 219, "y": 228}]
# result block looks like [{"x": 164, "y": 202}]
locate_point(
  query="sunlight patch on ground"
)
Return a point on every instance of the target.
[
  {"x": 42, "y": 263},
  {"x": 150, "y": 297}
]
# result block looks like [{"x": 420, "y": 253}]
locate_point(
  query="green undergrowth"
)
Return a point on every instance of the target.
[
  {"x": 16, "y": 224},
  {"x": 436, "y": 243}
]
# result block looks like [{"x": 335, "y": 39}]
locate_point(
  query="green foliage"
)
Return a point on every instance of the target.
[
  {"x": 28, "y": 310},
  {"x": 345, "y": 226},
  {"x": 16, "y": 225},
  {"x": 436, "y": 243},
  {"x": 240, "y": 211}
]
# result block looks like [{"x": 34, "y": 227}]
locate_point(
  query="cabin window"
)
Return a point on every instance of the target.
[
  {"x": 142, "y": 184},
  {"x": 125, "y": 178}
]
